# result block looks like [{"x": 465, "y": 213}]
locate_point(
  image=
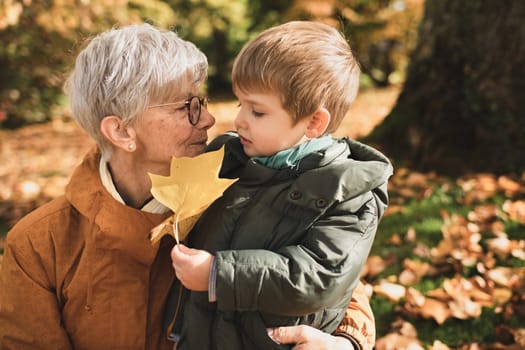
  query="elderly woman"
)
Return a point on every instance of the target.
[{"x": 80, "y": 272}]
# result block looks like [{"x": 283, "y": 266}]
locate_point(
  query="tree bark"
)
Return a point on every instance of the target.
[{"x": 462, "y": 105}]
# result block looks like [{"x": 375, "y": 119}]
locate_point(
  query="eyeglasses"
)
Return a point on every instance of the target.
[{"x": 193, "y": 104}]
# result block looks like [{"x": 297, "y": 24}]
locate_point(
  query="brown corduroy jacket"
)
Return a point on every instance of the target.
[{"x": 80, "y": 273}]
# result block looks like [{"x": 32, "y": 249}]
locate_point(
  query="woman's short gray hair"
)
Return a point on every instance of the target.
[{"x": 122, "y": 71}]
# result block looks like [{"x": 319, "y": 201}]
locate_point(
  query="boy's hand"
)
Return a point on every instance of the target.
[{"x": 192, "y": 267}]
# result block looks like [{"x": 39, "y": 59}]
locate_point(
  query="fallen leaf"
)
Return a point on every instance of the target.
[
  {"x": 402, "y": 333},
  {"x": 508, "y": 185},
  {"x": 501, "y": 296},
  {"x": 483, "y": 213},
  {"x": 415, "y": 297},
  {"x": 465, "y": 308},
  {"x": 413, "y": 272},
  {"x": 420, "y": 268},
  {"x": 374, "y": 265},
  {"x": 406, "y": 328},
  {"x": 440, "y": 294},
  {"x": 394, "y": 341},
  {"x": 519, "y": 337},
  {"x": 436, "y": 310},
  {"x": 193, "y": 184},
  {"x": 395, "y": 239},
  {"x": 518, "y": 249},
  {"x": 515, "y": 210},
  {"x": 408, "y": 278},
  {"x": 392, "y": 291},
  {"x": 500, "y": 245},
  {"x": 506, "y": 276},
  {"x": 437, "y": 345},
  {"x": 411, "y": 235},
  {"x": 422, "y": 250},
  {"x": 478, "y": 187}
]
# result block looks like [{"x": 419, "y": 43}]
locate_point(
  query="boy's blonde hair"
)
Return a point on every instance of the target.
[{"x": 307, "y": 64}]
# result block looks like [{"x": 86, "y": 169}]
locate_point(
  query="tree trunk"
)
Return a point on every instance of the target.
[{"x": 462, "y": 105}]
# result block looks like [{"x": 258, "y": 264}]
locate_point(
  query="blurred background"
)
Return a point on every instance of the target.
[{"x": 40, "y": 39}]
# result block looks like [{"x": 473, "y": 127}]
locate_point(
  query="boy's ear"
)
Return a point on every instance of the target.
[
  {"x": 120, "y": 135},
  {"x": 317, "y": 123}
]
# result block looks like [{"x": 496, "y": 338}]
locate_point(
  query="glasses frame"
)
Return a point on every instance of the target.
[{"x": 202, "y": 102}]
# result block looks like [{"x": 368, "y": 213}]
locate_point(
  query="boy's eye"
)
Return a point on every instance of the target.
[{"x": 257, "y": 114}]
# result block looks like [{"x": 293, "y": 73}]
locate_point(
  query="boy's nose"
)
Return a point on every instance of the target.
[{"x": 239, "y": 120}]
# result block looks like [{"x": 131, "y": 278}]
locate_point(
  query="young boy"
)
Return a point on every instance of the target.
[{"x": 286, "y": 243}]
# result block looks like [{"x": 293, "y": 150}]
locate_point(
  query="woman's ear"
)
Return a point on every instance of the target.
[
  {"x": 120, "y": 135},
  {"x": 317, "y": 123}
]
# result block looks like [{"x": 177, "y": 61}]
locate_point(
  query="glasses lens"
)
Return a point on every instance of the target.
[{"x": 195, "y": 110}]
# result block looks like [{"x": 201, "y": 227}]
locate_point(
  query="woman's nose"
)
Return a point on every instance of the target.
[{"x": 207, "y": 119}]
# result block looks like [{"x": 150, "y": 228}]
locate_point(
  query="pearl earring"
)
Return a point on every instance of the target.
[{"x": 131, "y": 146}]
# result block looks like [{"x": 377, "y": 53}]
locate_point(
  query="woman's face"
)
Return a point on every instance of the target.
[{"x": 164, "y": 132}]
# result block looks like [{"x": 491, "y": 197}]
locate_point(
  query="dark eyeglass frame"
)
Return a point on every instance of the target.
[{"x": 194, "y": 109}]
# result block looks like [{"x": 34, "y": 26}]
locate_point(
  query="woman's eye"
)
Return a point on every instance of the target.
[{"x": 174, "y": 109}]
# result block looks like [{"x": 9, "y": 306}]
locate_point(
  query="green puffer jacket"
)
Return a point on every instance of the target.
[{"x": 289, "y": 244}]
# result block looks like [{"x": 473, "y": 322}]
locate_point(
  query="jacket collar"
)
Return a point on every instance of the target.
[
  {"x": 349, "y": 161},
  {"x": 118, "y": 226}
]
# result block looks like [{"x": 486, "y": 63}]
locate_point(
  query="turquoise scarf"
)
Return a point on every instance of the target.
[{"x": 289, "y": 158}]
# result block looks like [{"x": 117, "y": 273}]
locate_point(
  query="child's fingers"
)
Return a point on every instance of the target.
[
  {"x": 189, "y": 251},
  {"x": 183, "y": 249},
  {"x": 178, "y": 256}
]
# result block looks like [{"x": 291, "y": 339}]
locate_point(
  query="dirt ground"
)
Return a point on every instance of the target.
[{"x": 36, "y": 161}]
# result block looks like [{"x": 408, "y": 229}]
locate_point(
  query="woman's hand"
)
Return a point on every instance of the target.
[
  {"x": 308, "y": 338},
  {"x": 192, "y": 267}
]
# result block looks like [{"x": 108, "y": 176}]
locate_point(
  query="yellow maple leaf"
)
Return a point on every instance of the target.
[{"x": 193, "y": 184}]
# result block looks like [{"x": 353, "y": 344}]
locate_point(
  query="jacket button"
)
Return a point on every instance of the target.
[
  {"x": 320, "y": 203},
  {"x": 295, "y": 195}
]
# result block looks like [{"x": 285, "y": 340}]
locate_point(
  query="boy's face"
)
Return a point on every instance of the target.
[{"x": 264, "y": 126}]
